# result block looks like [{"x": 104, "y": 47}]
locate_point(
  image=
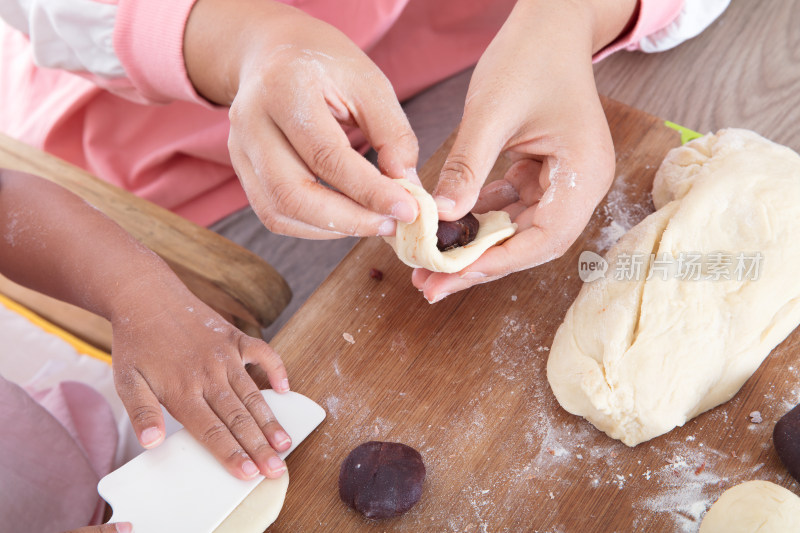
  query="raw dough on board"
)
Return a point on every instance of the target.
[
  {"x": 259, "y": 509},
  {"x": 754, "y": 507},
  {"x": 415, "y": 243},
  {"x": 638, "y": 357}
]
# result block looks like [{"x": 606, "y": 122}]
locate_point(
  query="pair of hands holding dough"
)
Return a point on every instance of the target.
[{"x": 292, "y": 82}]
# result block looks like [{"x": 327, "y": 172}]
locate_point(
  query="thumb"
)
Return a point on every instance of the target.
[
  {"x": 143, "y": 408},
  {"x": 466, "y": 168}
]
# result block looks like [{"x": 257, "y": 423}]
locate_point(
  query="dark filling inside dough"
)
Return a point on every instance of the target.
[{"x": 456, "y": 233}]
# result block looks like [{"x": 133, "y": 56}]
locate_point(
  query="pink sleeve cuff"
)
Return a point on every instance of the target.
[
  {"x": 148, "y": 38},
  {"x": 653, "y": 16}
]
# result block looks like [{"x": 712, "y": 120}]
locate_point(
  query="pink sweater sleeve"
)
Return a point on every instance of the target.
[
  {"x": 148, "y": 38},
  {"x": 652, "y": 16}
]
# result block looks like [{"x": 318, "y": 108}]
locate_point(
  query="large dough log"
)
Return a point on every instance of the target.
[{"x": 638, "y": 357}]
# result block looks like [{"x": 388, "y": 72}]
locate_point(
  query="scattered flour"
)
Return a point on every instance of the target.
[
  {"x": 546, "y": 456},
  {"x": 12, "y": 230},
  {"x": 620, "y": 214}
]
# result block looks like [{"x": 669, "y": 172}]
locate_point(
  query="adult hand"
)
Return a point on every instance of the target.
[
  {"x": 292, "y": 82},
  {"x": 532, "y": 97},
  {"x": 171, "y": 348}
]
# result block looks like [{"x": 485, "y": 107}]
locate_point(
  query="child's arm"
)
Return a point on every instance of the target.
[
  {"x": 532, "y": 96},
  {"x": 168, "y": 346}
]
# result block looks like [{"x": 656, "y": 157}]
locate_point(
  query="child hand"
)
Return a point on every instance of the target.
[
  {"x": 168, "y": 346},
  {"x": 532, "y": 96},
  {"x": 171, "y": 348},
  {"x": 291, "y": 82}
]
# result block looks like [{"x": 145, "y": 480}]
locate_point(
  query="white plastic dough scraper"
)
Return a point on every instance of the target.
[{"x": 179, "y": 486}]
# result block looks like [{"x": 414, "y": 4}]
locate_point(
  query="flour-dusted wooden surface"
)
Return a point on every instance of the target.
[{"x": 464, "y": 382}]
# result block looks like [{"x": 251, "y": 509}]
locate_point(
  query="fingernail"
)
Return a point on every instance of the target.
[
  {"x": 275, "y": 465},
  {"x": 283, "y": 440},
  {"x": 472, "y": 275},
  {"x": 439, "y": 297},
  {"x": 387, "y": 227},
  {"x": 404, "y": 212},
  {"x": 284, "y": 385},
  {"x": 124, "y": 527},
  {"x": 444, "y": 205},
  {"x": 150, "y": 437},
  {"x": 411, "y": 175},
  {"x": 249, "y": 468}
]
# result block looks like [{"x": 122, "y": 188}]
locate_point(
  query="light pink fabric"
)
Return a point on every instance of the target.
[
  {"x": 176, "y": 154},
  {"x": 148, "y": 38},
  {"x": 55, "y": 447},
  {"x": 652, "y": 16}
]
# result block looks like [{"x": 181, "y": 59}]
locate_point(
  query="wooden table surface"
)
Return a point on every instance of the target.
[
  {"x": 463, "y": 381},
  {"x": 743, "y": 71}
]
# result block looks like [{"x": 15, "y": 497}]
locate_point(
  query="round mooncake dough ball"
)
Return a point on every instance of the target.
[
  {"x": 382, "y": 479},
  {"x": 754, "y": 507}
]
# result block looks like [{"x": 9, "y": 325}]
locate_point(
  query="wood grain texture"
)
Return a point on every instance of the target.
[
  {"x": 232, "y": 280},
  {"x": 743, "y": 71},
  {"x": 463, "y": 381},
  {"x": 87, "y": 326}
]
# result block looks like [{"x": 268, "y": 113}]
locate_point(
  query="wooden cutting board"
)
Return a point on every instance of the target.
[{"x": 463, "y": 381}]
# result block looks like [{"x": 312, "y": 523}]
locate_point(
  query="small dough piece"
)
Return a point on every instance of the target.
[
  {"x": 381, "y": 479},
  {"x": 639, "y": 357},
  {"x": 259, "y": 509},
  {"x": 754, "y": 507},
  {"x": 415, "y": 243}
]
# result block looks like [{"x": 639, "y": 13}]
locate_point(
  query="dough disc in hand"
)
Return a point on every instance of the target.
[{"x": 415, "y": 243}]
